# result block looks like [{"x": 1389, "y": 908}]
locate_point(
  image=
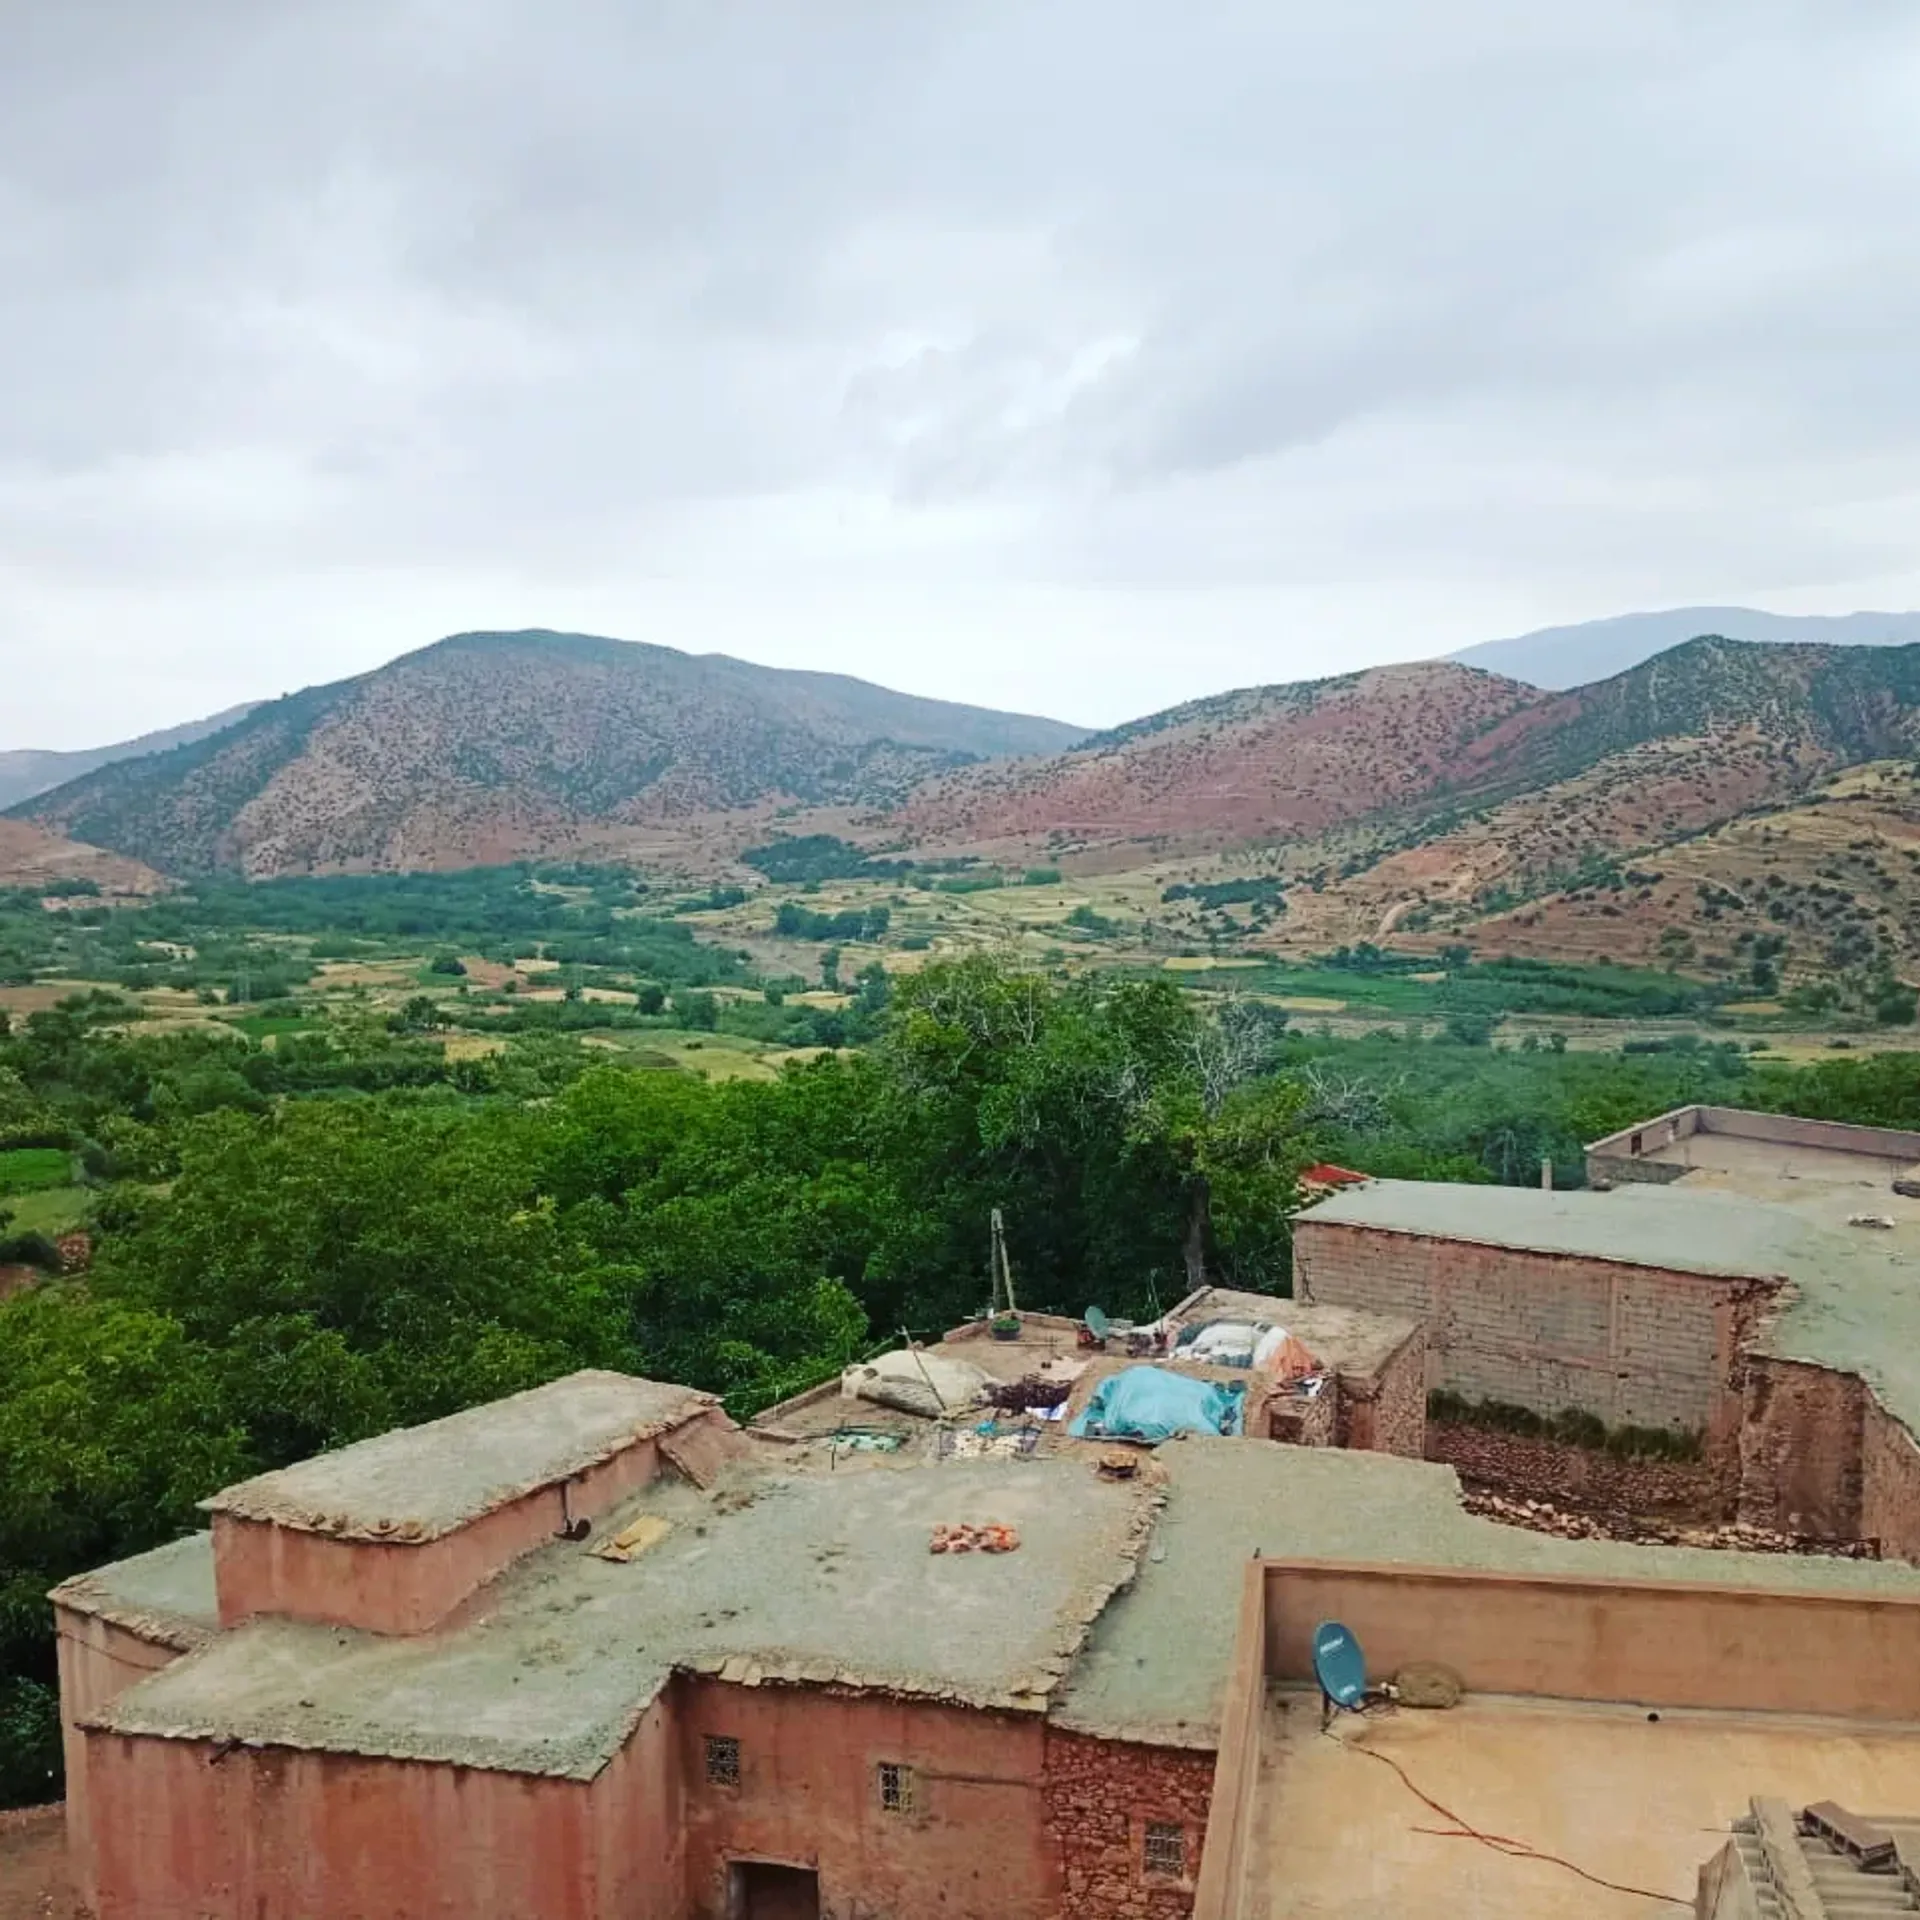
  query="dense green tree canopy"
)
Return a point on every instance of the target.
[{"x": 306, "y": 1242}]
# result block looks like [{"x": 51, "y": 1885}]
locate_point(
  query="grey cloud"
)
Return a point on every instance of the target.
[{"x": 1595, "y": 298}]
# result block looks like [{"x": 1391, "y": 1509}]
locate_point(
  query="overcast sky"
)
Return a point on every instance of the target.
[{"x": 1064, "y": 356}]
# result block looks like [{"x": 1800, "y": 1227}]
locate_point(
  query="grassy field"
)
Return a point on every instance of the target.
[
  {"x": 26, "y": 1170},
  {"x": 51, "y": 1210}
]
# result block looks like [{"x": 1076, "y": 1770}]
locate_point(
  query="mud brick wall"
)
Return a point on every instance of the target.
[
  {"x": 1801, "y": 1449},
  {"x": 1638, "y": 1346},
  {"x": 1889, "y": 1484},
  {"x": 1304, "y": 1423},
  {"x": 1100, "y": 1796},
  {"x": 1533, "y": 1468},
  {"x": 1392, "y": 1417}
]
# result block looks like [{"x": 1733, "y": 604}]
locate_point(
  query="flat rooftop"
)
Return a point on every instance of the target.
[
  {"x": 1155, "y": 1665},
  {"x": 1855, "y": 1298},
  {"x": 1116, "y": 1615},
  {"x": 1339, "y": 1835},
  {"x": 165, "y": 1596},
  {"x": 796, "y": 1576},
  {"x": 419, "y": 1483},
  {"x": 1775, "y": 1146}
]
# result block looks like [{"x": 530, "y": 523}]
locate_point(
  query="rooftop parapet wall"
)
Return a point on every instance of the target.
[
  {"x": 1568, "y": 1637},
  {"x": 393, "y": 1534},
  {"x": 1634, "y": 1153}
]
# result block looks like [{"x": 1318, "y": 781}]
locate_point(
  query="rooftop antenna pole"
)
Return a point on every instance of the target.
[{"x": 1000, "y": 1273}]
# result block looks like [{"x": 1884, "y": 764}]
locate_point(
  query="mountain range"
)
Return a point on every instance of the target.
[
  {"x": 1431, "y": 801},
  {"x": 27, "y": 771},
  {"x": 1562, "y": 657},
  {"x": 1690, "y": 736},
  {"x": 493, "y": 746}
]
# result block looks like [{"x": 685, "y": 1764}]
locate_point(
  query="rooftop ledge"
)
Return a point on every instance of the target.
[{"x": 419, "y": 1484}]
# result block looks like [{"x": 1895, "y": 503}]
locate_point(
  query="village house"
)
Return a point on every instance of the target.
[{"x": 596, "y": 1653}]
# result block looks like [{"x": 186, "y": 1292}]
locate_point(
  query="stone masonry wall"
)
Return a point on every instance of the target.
[
  {"x": 1889, "y": 1484},
  {"x": 1637, "y": 1346},
  {"x": 1800, "y": 1449},
  {"x": 1302, "y": 1423},
  {"x": 1531, "y": 1467},
  {"x": 1394, "y": 1418},
  {"x": 1101, "y": 1795}
]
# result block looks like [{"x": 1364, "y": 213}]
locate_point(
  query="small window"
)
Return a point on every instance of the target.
[
  {"x": 1165, "y": 1851},
  {"x": 723, "y": 1760},
  {"x": 896, "y": 1787}
]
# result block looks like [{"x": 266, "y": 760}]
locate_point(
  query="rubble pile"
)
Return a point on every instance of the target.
[{"x": 1543, "y": 1516}]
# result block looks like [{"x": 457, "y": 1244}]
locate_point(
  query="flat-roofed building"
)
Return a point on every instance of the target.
[
  {"x": 727, "y": 1679},
  {"x": 1761, "y": 1291}
]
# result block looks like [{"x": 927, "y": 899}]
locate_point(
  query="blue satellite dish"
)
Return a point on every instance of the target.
[
  {"x": 1339, "y": 1665},
  {"x": 1098, "y": 1324}
]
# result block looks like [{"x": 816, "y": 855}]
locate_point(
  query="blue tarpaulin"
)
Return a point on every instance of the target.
[{"x": 1151, "y": 1404}]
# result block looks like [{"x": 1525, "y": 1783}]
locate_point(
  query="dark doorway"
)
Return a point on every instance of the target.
[{"x": 762, "y": 1891}]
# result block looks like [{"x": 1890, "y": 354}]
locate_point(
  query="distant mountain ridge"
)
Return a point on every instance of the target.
[
  {"x": 1558, "y": 658},
  {"x": 1391, "y": 744},
  {"x": 27, "y": 771},
  {"x": 493, "y": 746}
]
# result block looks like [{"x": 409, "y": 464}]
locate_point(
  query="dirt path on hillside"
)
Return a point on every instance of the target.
[{"x": 33, "y": 1866}]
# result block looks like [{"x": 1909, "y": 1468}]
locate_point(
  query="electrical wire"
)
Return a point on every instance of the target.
[{"x": 1500, "y": 1843}]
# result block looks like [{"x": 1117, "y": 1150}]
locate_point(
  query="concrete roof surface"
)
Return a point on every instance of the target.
[
  {"x": 1338, "y": 1836},
  {"x": 1155, "y": 1666},
  {"x": 814, "y": 1577},
  {"x": 1855, "y": 1304},
  {"x": 418, "y": 1483},
  {"x": 166, "y": 1595}
]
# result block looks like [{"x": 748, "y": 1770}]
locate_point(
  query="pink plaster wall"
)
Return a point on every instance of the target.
[
  {"x": 98, "y": 1662},
  {"x": 277, "y": 1835},
  {"x": 975, "y": 1847},
  {"x": 397, "y": 1587},
  {"x": 1571, "y": 1637}
]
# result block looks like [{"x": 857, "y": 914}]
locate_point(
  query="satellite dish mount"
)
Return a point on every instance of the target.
[{"x": 1340, "y": 1668}]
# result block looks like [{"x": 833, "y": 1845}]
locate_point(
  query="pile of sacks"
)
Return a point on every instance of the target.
[
  {"x": 914, "y": 1381},
  {"x": 1242, "y": 1343}
]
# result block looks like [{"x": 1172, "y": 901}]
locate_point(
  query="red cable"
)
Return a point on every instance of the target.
[{"x": 1509, "y": 1849}]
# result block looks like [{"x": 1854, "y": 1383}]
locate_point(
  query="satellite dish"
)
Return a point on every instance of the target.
[
  {"x": 1098, "y": 1324},
  {"x": 1340, "y": 1667}
]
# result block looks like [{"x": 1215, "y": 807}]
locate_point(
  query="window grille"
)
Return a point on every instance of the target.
[
  {"x": 1165, "y": 1849},
  {"x": 896, "y": 1787},
  {"x": 723, "y": 1760}
]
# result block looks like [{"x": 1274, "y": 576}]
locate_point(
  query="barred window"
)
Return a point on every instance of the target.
[
  {"x": 723, "y": 1760},
  {"x": 896, "y": 1787},
  {"x": 1165, "y": 1850}
]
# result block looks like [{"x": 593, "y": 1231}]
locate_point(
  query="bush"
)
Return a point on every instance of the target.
[
  {"x": 30, "y": 1250},
  {"x": 1571, "y": 1426},
  {"x": 1471, "y": 1029},
  {"x": 700, "y": 1011},
  {"x": 448, "y": 963},
  {"x": 1895, "y": 1007},
  {"x": 1040, "y": 877},
  {"x": 29, "y": 1743}
]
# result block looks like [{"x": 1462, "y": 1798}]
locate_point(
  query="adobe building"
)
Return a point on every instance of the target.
[
  {"x": 594, "y": 1653},
  {"x": 1747, "y": 1278}
]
